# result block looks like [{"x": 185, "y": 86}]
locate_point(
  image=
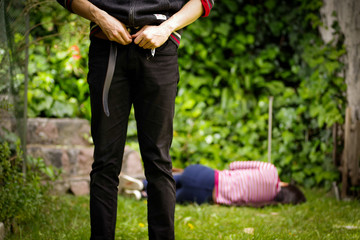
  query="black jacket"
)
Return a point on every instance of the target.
[{"x": 138, "y": 13}]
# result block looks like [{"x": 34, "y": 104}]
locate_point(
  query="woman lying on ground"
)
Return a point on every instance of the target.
[{"x": 246, "y": 183}]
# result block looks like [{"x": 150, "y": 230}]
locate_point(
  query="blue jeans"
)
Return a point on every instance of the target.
[{"x": 195, "y": 184}]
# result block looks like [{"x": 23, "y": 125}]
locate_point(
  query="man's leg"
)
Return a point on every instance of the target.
[
  {"x": 157, "y": 79},
  {"x": 176, "y": 177},
  {"x": 109, "y": 134}
]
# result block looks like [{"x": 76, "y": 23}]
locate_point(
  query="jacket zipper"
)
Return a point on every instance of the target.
[{"x": 131, "y": 15}]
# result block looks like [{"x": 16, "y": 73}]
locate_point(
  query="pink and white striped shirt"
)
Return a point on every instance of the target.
[{"x": 247, "y": 182}]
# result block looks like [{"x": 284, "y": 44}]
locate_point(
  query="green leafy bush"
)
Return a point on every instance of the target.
[
  {"x": 231, "y": 63},
  {"x": 58, "y": 64},
  {"x": 21, "y": 196}
]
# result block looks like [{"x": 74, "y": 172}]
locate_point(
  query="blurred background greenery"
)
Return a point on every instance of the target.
[{"x": 230, "y": 64}]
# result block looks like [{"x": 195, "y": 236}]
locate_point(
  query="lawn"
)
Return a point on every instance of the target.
[{"x": 321, "y": 217}]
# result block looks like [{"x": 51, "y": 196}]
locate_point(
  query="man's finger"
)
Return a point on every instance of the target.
[
  {"x": 148, "y": 45},
  {"x": 120, "y": 38},
  {"x": 126, "y": 40},
  {"x": 143, "y": 43},
  {"x": 121, "y": 35},
  {"x": 138, "y": 32},
  {"x": 139, "y": 39},
  {"x": 125, "y": 35}
]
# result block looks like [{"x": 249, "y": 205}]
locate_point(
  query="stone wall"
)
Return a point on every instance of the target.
[{"x": 66, "y": 144}]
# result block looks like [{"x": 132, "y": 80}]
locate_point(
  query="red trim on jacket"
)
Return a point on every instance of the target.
[{"x": 207, "y": 5}]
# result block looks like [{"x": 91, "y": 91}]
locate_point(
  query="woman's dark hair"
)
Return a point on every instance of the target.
[{"x": 290, "y": 195}]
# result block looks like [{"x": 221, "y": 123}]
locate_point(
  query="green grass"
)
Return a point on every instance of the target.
[{"x": 321, "y": 217}]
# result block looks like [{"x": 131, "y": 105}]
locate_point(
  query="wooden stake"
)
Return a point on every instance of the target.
[
  {"x": 345, "y": 171},
  {"x": 271, "y": 99},
  {"x": 334, "y": 153},
  {"x": 355, "y": 153}
]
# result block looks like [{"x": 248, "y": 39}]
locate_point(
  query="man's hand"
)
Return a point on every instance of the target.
[
  {"x": 150, "y": 37},
  {"x": 113, "y": 28}
]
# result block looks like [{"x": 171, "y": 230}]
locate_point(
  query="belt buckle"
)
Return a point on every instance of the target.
[{"x": 132, "y": 29}]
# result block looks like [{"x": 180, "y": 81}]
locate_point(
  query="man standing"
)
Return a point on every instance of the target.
[{"x": 133, "y": 61}]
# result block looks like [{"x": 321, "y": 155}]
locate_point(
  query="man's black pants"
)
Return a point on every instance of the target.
[{"x": 149, "y": 83}]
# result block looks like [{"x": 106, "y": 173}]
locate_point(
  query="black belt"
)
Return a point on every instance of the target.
[
  {"x": 110, "y": 71},
  {"x": 111, "y": 68}
]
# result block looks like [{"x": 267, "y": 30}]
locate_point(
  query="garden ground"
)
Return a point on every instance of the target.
[{"x": 321, "y": 217}]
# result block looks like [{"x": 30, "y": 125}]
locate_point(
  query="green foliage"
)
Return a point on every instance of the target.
[
  {"x": 57, "y": 65},
  {"x": 21, "y": 196},
  {"x": 321, "y": 217},
  {"x": 230, "y": 62},
  {"x": 64, "y": 217}
]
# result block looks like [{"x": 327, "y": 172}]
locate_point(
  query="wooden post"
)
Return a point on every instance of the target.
[
  {"x": 271, "y": 99},
  {"x": 334, "y": 153},
  {"x": 355, "y": 153},
  {"x": 345, "y": 171},
  {"x": 23, "y": 134}
]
